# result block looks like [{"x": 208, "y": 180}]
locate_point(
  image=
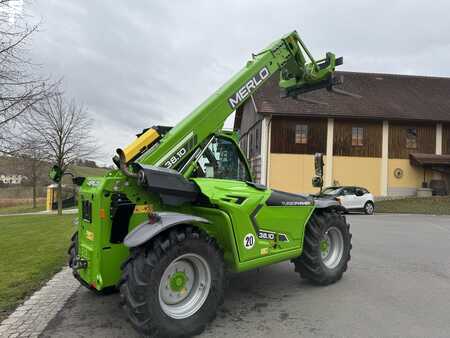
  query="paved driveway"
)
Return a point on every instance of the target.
[{"x": 398, "y": 284}]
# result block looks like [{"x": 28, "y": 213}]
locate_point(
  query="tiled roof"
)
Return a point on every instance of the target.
[{"x": 383, "y": 96}]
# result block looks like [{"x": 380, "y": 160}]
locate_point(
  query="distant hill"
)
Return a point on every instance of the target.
[
  {"x": 10, "y": 166},
  {"x": 77, "y": 170},
  {"x": 88, "y": 171}
]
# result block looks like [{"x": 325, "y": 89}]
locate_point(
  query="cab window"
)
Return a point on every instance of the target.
[{"x": 221, "y": 159}]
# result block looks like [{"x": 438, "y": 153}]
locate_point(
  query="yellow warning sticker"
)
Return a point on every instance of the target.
[
  {"x": 89, "y": 235},
  {"x": 264, "y": 251},
  {"x": 143, "y": 209}
]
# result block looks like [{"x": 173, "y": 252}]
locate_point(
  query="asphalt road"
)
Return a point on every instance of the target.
[{"x": 398, "y": 284}]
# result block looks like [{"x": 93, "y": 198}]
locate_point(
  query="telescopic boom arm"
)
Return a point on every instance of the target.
[{"x": 297, "y": 75}]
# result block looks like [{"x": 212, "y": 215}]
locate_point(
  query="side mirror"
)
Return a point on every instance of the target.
[
  {"x": 317, "y": 180},
  {"x": 55, "y": 174},
  {"x": 318, "y": 164},
  {"x": 359, "y": 192}
]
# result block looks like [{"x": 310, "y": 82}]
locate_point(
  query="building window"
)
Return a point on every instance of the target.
[
  {"x": 301, "y": 134},
  {"x": 258, "y": 139},
  {"x": 357, "y": 136},
  {"x": 411, "y": 138}
]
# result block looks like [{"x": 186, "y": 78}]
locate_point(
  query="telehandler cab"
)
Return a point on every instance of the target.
[{"x": 182, "y": 208}]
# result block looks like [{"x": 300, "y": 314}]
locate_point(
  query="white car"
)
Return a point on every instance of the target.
[{"x": 352, "y": 198}]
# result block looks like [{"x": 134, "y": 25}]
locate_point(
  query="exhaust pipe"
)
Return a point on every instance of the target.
[{"x": 121, "y": 163}]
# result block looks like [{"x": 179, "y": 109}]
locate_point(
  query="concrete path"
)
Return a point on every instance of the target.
[
  {"x": 65, "y": 212},
  {"x": 31, "y": 318},
  {"x": 398, "y": 284}
]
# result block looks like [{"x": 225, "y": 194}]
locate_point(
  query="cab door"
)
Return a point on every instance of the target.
[{"x": 263, "y": 225}]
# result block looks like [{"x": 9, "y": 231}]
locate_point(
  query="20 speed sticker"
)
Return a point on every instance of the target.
[{"x": 249, "y": 241}]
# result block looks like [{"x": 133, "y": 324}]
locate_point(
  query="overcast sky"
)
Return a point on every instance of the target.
[{"x": 135, "y": 64}]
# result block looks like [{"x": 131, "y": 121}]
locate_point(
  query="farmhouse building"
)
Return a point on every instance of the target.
[{"x": 392, "y": 136}]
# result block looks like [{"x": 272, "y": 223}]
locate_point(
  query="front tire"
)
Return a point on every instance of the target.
[
  {"x": 326, "y": 248},
  {"x": 173, "y": 285}
]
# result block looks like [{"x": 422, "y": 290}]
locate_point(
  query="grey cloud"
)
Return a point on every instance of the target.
[{"x": 139, "y": 63}]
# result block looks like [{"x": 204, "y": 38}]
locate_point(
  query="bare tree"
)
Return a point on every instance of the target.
[
  {"x": 20, "y": 89},
  {"x": 33, "y": 162},
  {"x": 64, "y": 128}
]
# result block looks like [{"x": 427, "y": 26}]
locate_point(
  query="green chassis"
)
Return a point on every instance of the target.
[
  {"x": 250, "y": 231},
  {"x": 231, "y": 220}
]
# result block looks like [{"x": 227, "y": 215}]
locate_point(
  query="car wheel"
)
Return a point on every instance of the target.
[{"x": 369, "y": 208}]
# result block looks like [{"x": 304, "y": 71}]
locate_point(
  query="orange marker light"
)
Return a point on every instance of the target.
[{"x": 102, "y": 213}]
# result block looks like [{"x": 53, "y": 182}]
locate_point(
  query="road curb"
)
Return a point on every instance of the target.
[
  {"x": 410, "y": 214},
  {"x": 31, "y": 318}
]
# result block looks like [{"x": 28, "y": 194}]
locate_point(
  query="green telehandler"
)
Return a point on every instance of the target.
[{"x": 182, "y": 208}]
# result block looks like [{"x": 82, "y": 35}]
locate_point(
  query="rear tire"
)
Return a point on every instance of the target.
[
  {"x": 326, "y": 248},
  {"x": 369, "y": 208},
  {"x": 73, "y": 249},
  {"x": 153, "y": 299}
]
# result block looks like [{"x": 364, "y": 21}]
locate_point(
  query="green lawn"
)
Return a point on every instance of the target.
[
  {"x": 32, "y": 250},
  {"x": 25, "y": 208},
  {"x": 437, "y": 205},
  {"x": 22, "y": 208}
]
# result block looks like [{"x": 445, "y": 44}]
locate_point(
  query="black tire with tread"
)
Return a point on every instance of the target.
[
  {"x": 73, "y": 249},
  {"x": 141, "y": 278},
  {"x": 309, "y": 264},
  {"x": 365, "y": 208}
]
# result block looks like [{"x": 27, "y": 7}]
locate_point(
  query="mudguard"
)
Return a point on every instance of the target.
[{"x": 165, "y": 220}]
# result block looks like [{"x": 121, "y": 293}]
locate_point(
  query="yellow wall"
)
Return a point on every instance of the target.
[
  {"x": 358, "y": 171},
  {"x": 412, "y": 176},
  {"x": 292, "y": 172}
]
